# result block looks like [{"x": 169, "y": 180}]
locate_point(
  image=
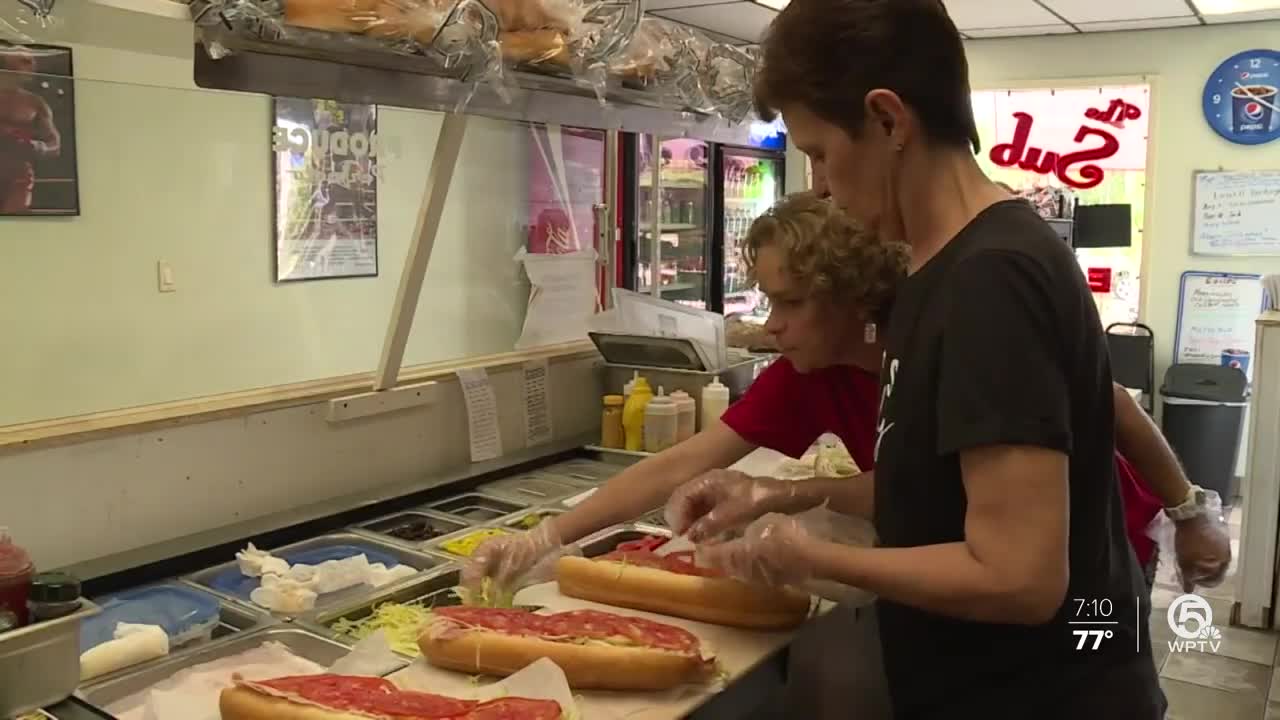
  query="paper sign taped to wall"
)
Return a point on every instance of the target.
[
  {"x": 537, "y": 403},
  {"x": 482, "y": 414}
]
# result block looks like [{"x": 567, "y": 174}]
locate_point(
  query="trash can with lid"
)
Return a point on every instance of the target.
[{"x": 1203, "y": 416}]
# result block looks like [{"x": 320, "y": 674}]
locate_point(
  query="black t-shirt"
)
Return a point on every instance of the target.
[{"x": 997, "y": 341}]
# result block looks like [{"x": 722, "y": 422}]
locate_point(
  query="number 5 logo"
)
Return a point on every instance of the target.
[{"x": 1190, "y": 609}]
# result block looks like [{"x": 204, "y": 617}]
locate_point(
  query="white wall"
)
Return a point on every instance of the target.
[
  {"x": 184, "y": 175},
  {"x": 1178, "y": 61},
  {"x": 70, "y": 504}
]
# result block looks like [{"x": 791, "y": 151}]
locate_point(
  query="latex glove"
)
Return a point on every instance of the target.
[
  {"x": 722, "y": 500},
  {"x": 770, "y": 553},
  {"x": 1202, "y": 547},
  {"x": 513, "y": 561}
]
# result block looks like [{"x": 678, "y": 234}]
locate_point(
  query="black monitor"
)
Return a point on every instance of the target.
[{"x": 1103, "y": 226}]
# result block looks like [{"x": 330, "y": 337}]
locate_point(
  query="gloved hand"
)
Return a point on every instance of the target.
[
  {"x": 1202, "y": 547},
  {"x": 722, "y": 500},
  {"x": 774, "y": 552},
  {"x": 770, "y": 553},
  {"x": 514, "y": 561}
]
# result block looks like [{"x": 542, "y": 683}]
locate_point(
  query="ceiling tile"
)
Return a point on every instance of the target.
[
  {"x": 1139, "y": 24},
  {"x": 1088, "y": 11},
  {"x": 969, "y": 14},
  {"x": 744, "y": 20},
  {"x": 669, "y": 4},
  {"x": 1058, "y": 29},
  {"x": 1244, "y": 17}
]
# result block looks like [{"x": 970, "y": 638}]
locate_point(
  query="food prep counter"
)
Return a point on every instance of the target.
[{"x": 432, "y": 538}]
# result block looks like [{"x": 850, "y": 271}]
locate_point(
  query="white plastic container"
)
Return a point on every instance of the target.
[
  {"x": 715, "y": 400},
  {"x": 687, "y": 415},
  {"x": 661, "y": 423}
]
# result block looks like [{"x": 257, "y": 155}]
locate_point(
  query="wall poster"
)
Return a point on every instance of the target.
[
  {"x": 37, "y": 131},
  {"x": 326, "y": 203}
]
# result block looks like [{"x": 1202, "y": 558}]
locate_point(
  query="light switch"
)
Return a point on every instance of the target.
[{"x": 164, "y": 277}]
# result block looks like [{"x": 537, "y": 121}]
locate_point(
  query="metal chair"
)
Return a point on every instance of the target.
[{"x": 1133, "y": 359}]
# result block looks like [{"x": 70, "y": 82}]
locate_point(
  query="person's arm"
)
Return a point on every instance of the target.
[
  {"x": 647, "y": 484},
  {"x": 1012, "y": 566},
  {"x": 1007, "y": 418},
  {"x": 851, "y": 496},
  {"x": 1142, "y": 443}
]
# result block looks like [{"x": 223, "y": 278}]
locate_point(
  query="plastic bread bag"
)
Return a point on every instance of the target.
[
  {"x": 727, "y": 78},
  {"x": 649, "y": 54},
  {"x": 21, "y": 21},
  {"x": 606, "y": 31},
  {"x": 457, "y": 37}
]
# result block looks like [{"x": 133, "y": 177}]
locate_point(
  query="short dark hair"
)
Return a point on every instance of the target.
[{"x": 826, "y": 55}]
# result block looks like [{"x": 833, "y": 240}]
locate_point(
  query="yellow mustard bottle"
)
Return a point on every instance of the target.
[{"x": 633, "y": 414}]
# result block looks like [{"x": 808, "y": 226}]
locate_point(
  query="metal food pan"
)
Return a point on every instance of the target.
[
  {"x": 607, "y": 540},
  {"x": 438, "y": 546},
  {"x": 434, "y": 589},
  {"x": 227, "y": 581},
  {"x": 516, "y": 520},
  {"x": 233, "y": 619},
  {"x": 383, "y": 526},
  {"x": 477, "y": 508},
  {"x": 299, "y": 641},
  {"x": 40, "y": 662},
  {"x": 533, "y": 487},
  {"x": 590, "y": 472}
]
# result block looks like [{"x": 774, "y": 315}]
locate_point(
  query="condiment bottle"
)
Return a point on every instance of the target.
[
  {"x": 633, "y": 414},
  {"x": 661, "y": 420},
  {"x": 715, "y": 400},
  {"x": 53, "y": 595},
  {"x": 16, "y": 570},
  {"x": 611, "y": 433},
  {"x": 687, "y": 417},
  {"x": 628, "y": 385}
]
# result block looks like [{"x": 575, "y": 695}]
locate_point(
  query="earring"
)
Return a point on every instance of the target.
[{"x": 869, "y": 333}]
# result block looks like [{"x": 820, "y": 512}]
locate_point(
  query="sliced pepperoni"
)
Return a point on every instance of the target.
[
  {"x": 516, "y": 709},
  {"x": 680, "y": 563},
  {"x": 580, "y": 624}
]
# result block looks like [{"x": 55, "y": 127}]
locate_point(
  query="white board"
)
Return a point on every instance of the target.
[
  {"x": 1216, "y": 312},
  {"x": 1237, "y": 213}
]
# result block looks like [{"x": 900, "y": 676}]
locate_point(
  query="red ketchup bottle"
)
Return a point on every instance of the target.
[{"x": 15, "y": 580}]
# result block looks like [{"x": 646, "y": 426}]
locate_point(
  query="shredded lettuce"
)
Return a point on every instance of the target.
[
  {"x": 490, "y": 595},
  {"x": 401, "y": 623}
]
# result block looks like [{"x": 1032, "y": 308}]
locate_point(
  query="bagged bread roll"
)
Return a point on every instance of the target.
[
  {"x": 535, "y": 47},
  {"x": 351, "y": 16},
  {"x": 387, "y": 19},
  {"x": 517, "y": 15}
]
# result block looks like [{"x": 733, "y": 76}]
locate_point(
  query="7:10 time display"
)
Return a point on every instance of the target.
[{"x": 1093, "y": 608}]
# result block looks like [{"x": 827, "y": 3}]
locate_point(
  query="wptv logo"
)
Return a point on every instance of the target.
[{"x": 1191, "y": 620}]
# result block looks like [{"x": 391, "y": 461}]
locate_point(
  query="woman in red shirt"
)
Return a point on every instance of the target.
[{"x": 814, "y": 265}]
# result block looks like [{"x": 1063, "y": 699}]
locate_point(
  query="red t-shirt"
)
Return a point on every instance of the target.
[{"x": 786, "y": 410}]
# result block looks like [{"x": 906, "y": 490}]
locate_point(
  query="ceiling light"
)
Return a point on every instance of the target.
[
  {"x": 775, "y": 4},
  {"x": 1230, "y": 7}
]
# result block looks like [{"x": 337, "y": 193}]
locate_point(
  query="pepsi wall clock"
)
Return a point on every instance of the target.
[{"x": 1242, "y": 98}]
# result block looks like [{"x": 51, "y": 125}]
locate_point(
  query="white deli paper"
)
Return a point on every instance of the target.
[
  {"x": 562, "y": 297},
  {"x": 192, "y": 693},
  {"x": 482, "y": 414},
  {"x": 537, "y": 403},
  {"x": 541, "y": 680}
]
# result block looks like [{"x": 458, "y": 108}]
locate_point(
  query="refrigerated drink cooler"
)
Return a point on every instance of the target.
[{"x": 687, "y": 205}]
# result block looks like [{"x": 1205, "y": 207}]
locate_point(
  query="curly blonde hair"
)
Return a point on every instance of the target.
[{"x": 827, "y": 253}]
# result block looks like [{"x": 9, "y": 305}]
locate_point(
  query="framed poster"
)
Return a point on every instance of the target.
[
  {"x": 37, "y": 131},
  {"x": 326, "y": 201},
  {"x": 1241, "y": 100}
]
